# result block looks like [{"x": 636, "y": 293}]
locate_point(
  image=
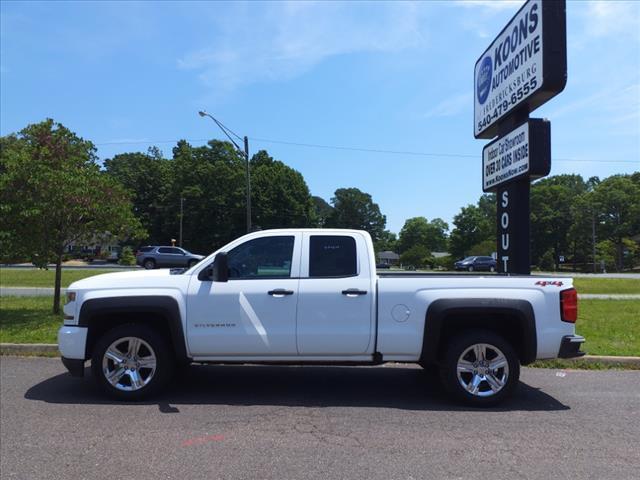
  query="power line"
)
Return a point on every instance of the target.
[{"x": 354, "y": 149}]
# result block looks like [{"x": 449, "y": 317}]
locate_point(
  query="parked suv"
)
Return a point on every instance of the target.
[
  {"x": 476, "y": 263},
  {"x": 155, "y": 257}
]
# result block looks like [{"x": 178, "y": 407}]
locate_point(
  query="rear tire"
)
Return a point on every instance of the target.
[
  {"x": 149, "y": 264},
  {"x": 131, "y": 362},
  {"x": 480, "y": 368}
]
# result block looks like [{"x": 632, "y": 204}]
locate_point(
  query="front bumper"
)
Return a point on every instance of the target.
[
  {"x": 570, "y": 346},
  {"x": 72, "y": 342}
]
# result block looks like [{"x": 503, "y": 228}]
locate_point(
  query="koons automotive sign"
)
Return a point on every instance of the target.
[{"x": 512, "y": 72}]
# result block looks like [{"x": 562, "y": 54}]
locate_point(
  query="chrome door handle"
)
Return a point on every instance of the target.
[
  {"x": 280, "y": 292},
  {"x": 353, "y": 292}
]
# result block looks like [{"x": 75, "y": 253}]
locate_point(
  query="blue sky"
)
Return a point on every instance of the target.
[{"x": 387, "y": 76}]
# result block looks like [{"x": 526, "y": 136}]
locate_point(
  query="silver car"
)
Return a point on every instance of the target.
[{"x": 151, "y": 257}]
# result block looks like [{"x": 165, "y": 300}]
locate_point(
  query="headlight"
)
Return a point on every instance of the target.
[{"x": 71, "y": 297}]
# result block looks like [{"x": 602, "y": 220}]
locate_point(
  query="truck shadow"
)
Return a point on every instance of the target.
[{"x": 406, "y": 388}]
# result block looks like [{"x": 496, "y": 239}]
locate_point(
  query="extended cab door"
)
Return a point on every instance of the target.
[
  {"x": 336, "y": 300},
  {"x": 254, "y": 312}
]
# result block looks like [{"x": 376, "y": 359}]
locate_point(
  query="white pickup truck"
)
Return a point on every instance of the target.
[{"x": 313, "y": 296}]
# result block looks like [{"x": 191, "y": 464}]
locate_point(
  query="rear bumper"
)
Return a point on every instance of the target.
[
  {"x": 75, "y": 366},
  {"x": 570, "y": 346}
]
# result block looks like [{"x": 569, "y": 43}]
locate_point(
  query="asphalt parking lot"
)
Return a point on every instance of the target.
[{"x": 263, "y": 422}]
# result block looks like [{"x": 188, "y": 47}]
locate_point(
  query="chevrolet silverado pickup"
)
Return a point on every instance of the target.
[{"x": 314, "y": 296}]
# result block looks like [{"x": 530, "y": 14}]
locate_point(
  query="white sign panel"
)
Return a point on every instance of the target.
[
  {"x": 510, "y": 70},
  {"x": 506, "y": 158}
]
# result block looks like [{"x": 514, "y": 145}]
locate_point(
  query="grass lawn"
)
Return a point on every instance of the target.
[
  {"x": 18, "y": 277},
  {"x": 607, "y": 285},
  {"x": 28, "y": 320},
  {"x": 611, "y": 327}
]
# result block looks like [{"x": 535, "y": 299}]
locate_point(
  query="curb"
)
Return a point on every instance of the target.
[
  {"x": 46, "y": 349},
  {"x": 29, "y": 349},
  {"x": 607, "y": 360}
]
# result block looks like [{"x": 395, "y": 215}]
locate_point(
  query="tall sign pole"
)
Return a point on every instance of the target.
[{"x": 524, "y": 67}]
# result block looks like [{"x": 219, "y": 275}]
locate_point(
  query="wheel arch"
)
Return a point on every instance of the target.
[
  {"x": 513, "y": 319},
  {"x": 158, "y": 311}
]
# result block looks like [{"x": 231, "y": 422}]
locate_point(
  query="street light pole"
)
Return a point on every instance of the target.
[
  {"x": 181, "y": 217},
  {"x": 244, "y": 153},
  {"x": 246, "y": 157}
]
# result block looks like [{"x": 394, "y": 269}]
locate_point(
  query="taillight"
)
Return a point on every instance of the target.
[{"x": 569, "y": 305}]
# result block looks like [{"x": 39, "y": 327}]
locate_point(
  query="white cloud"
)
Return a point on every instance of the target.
[
  {"x": 451, "y": 106},
  {"x": 494, "y": 5},
  {"x": 608, "y": 17},
  {"x": 283, "y": 40}
]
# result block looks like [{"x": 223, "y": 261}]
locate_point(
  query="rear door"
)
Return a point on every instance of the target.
[{"x": 336, "y": 301}]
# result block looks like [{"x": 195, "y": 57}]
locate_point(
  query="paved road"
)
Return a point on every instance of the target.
[{"x": 252, "y": 422}]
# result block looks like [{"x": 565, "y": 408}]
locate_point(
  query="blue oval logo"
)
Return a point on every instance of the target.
[{"x": 483, "y": 82}]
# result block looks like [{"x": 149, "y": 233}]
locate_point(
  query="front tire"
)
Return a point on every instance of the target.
[
  {"x": 470, "y": 269},
  {"x": 480, "y": 368},
  {"x": 131, "y": 362}
]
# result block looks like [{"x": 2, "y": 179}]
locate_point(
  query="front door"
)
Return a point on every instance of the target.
[
  {"x": 336, "y": 304},
  {"x": 254, "y": 312}
]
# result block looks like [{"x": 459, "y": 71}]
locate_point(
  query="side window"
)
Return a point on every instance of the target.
[
  {"x": 175, "y": 251},
  {"x": 332, "y": 256},
  {"x": 267, "y": 257}
]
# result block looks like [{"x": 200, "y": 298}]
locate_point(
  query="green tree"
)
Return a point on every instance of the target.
[
  {"x": 353, "y": 208},
  {"x": 148, "y": 177},
  {"x": 468, "y": 231},
  {"x": 53, "y": 194},
  {"x": 211, "y": 181},
  {"x": 419, "y": 231},
  {"x": 322, "y": 211},
  {"x": 617, "y": 202},
  {"x": 387, "y": 242},
  {"x": 552, "y": 216},
  {"x": 280, "y": 197}
]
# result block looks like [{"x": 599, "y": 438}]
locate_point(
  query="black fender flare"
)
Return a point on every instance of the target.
[
  {"x": 499, "y": 308},
  {"x": 161, "y": 305}
]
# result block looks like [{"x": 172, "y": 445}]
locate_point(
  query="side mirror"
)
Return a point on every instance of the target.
[{"x": 218, "y": 271}]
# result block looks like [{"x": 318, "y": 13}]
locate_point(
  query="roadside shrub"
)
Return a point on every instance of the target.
[
  {"x": 547, "y": 261},
  {"x": 127, "y": 257}
]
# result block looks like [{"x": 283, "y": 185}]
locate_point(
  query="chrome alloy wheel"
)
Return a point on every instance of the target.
[
  {"x": 483, "y": 370},
  {"x": 129, "y": 364}
]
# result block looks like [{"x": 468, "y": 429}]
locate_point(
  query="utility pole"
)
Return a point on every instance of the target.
[
  {"x": 181, "y": 217},
  {"x": 593, "y": 236},
  {"x": 246, "y": 157},
  {"x": 244, "y": 153}
]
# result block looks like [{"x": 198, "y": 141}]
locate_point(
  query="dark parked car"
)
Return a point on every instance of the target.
[
  {"x": 383, "y": 265},
  {"x": 155, "y": 257},
  {"x": 476, "y": 263}
]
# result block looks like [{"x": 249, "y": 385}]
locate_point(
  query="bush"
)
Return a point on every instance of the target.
[
  {"x": 444, "y": 263},
  {"x": 417, "y": 256},
  {"x": 127, "y": 257},
  {"x": 547, "y": 261}
]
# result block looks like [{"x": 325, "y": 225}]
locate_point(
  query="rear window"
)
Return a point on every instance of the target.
[
  {"x": 332, "y": 256},
  {"x": 146, "y": 249}
]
